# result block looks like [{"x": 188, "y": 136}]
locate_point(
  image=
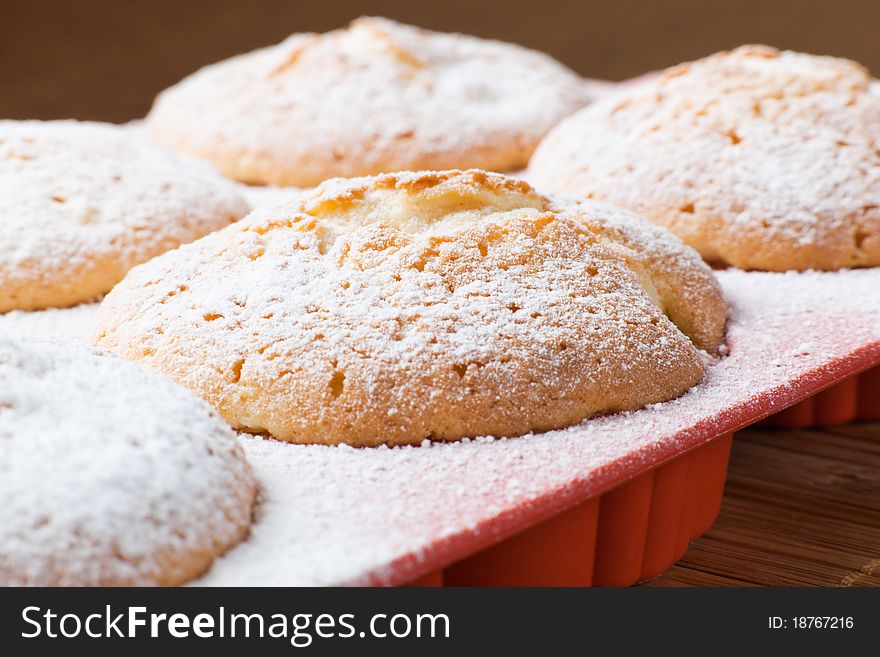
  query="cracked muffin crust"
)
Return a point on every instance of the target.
[
  {"x": 758, "y": 158},
  {"x": 374, "y": 97},
  {"x": 422, "y": 305}
]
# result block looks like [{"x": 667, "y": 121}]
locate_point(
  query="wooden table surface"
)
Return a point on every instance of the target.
[{"x": 801, "y": 508}]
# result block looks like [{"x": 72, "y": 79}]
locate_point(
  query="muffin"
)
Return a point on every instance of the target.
[
  {"x": 374, "y": 97},
  {"x": 110, "y": 474},
  {"x": 422, "y": 305},
  {"x": 758, "y": 158},
  {"x": 85, "y": 202}
]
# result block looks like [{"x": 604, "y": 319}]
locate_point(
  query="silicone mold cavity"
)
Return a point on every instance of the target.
[
  {"x": 856, "y": 399},
  {"x": 629, "y": 534}
]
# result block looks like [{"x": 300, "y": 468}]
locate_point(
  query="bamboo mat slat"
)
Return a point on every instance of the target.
[{"x": 801, "y": 508}]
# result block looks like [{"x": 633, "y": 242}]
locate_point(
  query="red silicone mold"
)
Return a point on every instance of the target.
[
  {"x": 856, "y": 399},
  {"x": 630, "y": 534},
  {"x": 610, "y": 502}
]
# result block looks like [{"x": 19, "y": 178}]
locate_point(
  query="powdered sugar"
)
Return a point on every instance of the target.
[
  {"x": 84, "y": 202},
  {"x": 376, "y": 96},
  {"x": 75, "y": 323},
  {"x": 259, "y": 196},
  {"x": 442, "y": 304},
  {"x": 758, "y": 158},
  {"x": 339, "y": 515},
  {"x": 110, "y": 474},
  {"x": 333, "y": 515}
]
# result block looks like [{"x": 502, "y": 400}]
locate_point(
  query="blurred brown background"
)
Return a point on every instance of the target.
[{"x": 98, "y": 59}]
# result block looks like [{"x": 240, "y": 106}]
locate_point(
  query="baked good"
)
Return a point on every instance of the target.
[
  {"x": 759, "y": 159},
  {"x": 376, "y": 96},
  {"x": 84, "y": 202},
  {"x": 110, "y": 474},
  {"x": 422, "y": 305}
]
